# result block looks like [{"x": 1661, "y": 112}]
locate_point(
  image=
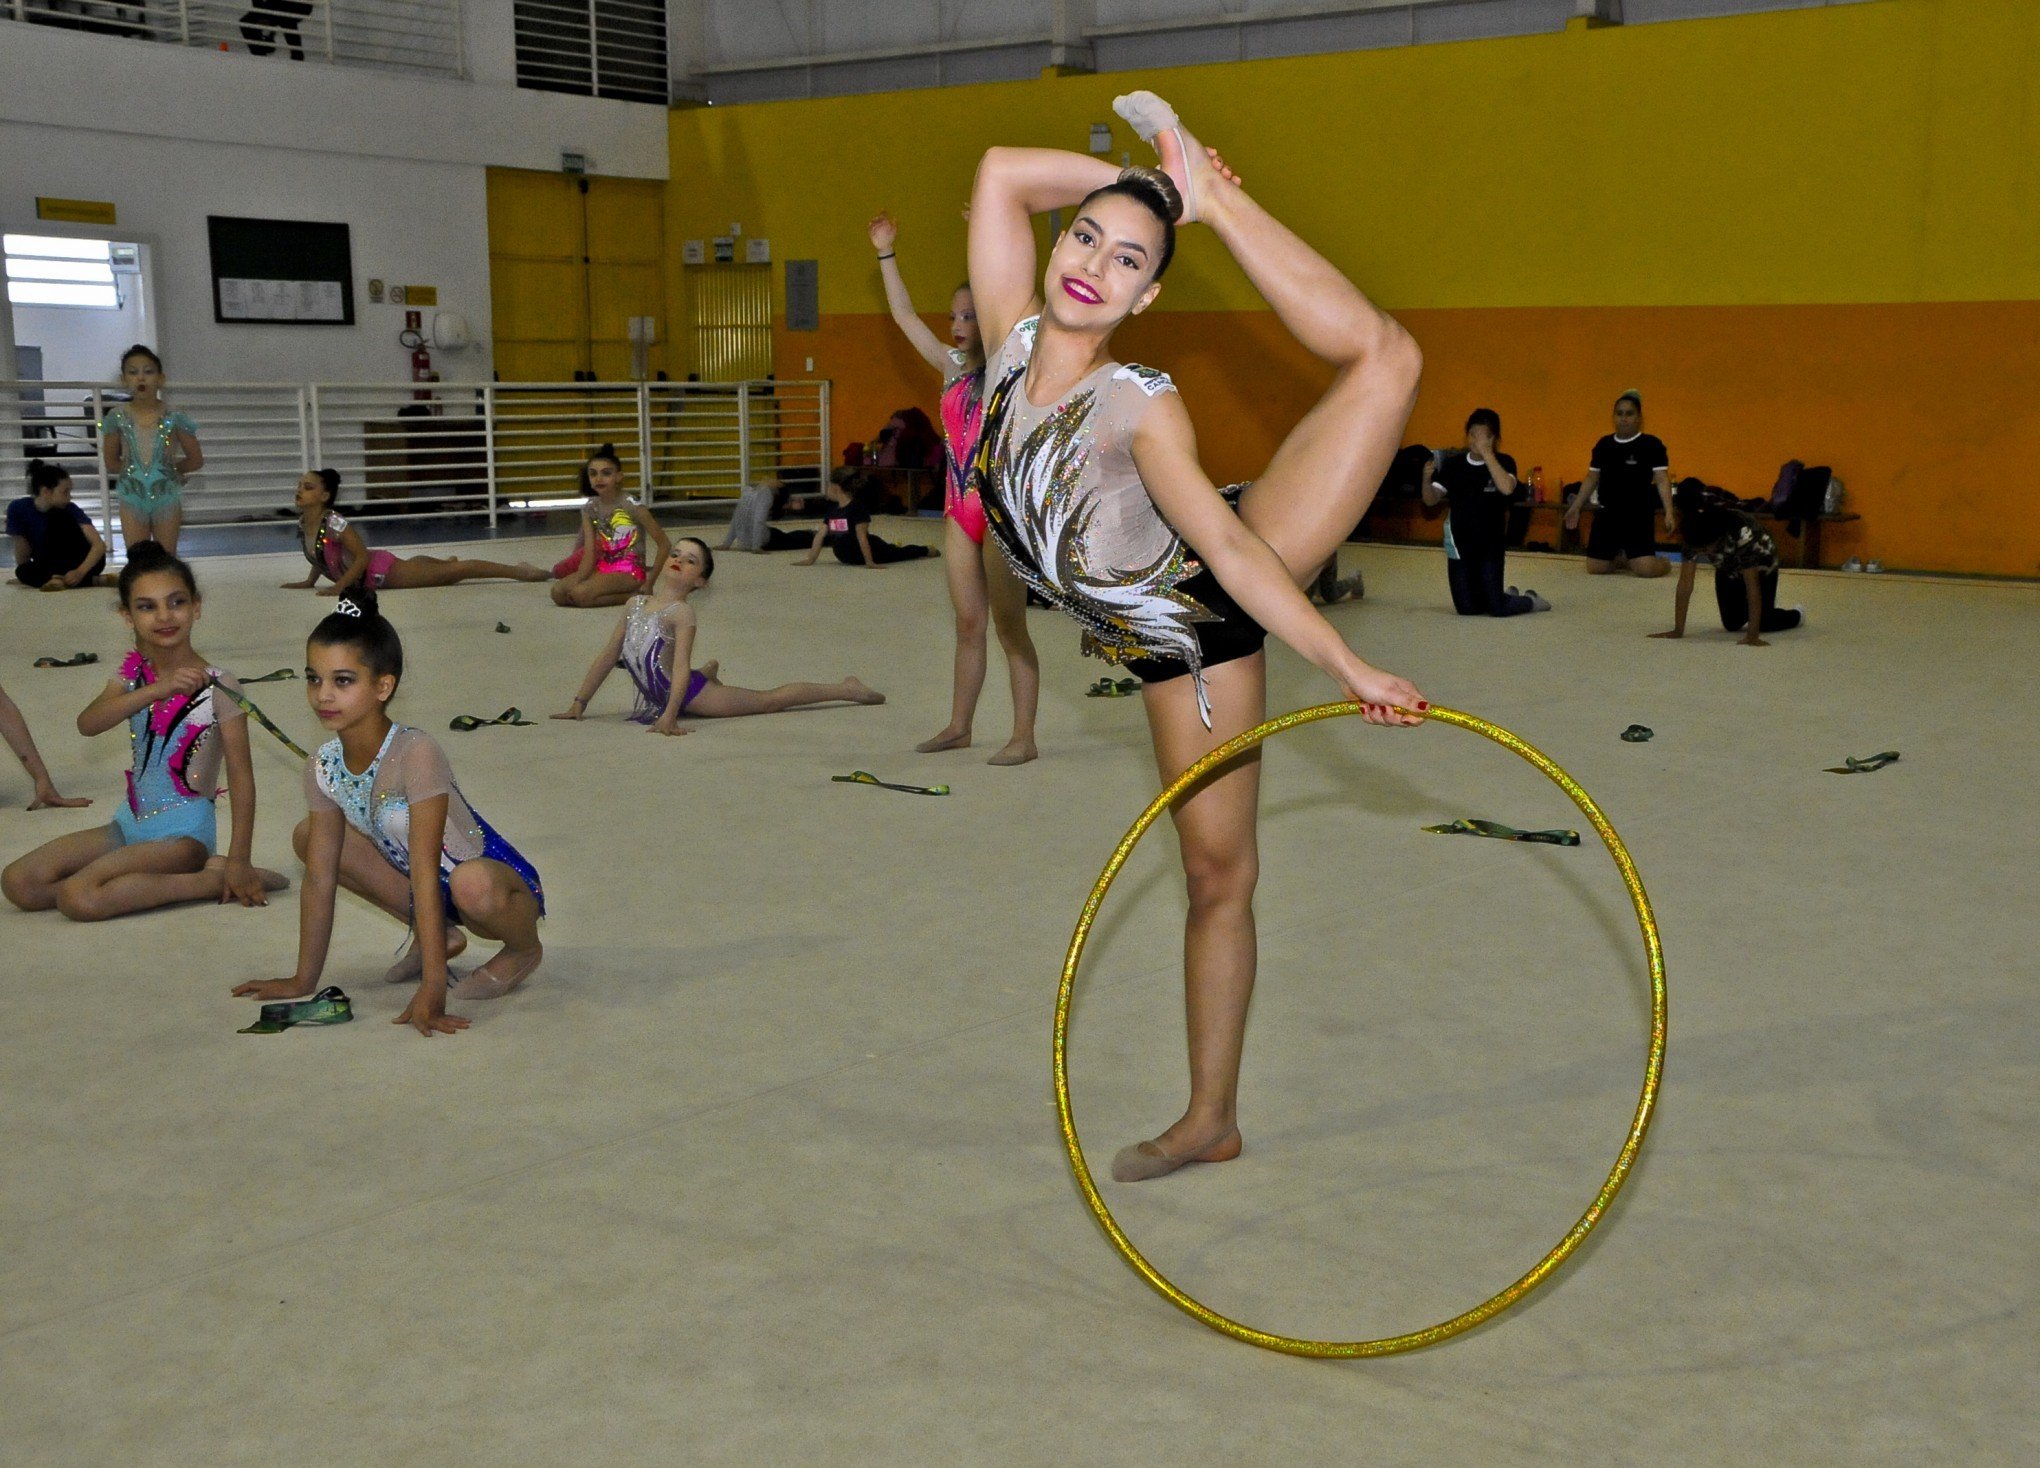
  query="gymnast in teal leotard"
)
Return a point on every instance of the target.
[{"x": 151, "y": 449}]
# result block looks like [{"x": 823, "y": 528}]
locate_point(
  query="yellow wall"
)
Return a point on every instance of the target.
[{"x": 1532, "y": 207}]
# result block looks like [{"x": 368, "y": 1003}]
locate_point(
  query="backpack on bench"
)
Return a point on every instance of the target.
[{"x": 1802, "y": 494}]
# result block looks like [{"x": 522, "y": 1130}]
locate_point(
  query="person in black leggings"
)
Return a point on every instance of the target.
[
  {"x": 1632, "y": 471},
  {"x": 846, "y": 529},
  {"x": 1479, "y": 484},
  {"x": 1745, "y": 559},
  {"x": 270, "y": 21}
]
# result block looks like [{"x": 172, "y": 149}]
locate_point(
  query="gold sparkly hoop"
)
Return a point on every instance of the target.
[{"x": 1646, "y": 1102}]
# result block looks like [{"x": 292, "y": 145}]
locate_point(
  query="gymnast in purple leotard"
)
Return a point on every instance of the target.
[{"x": 655, "y": 636}]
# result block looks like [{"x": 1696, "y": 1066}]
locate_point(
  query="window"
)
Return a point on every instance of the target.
[
  {"x": 46, "y": 271},
  {"x": 593, "y": 48}
]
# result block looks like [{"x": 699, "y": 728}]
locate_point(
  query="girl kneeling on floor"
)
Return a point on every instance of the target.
[
  {"x": 160, "y": 848},
  {"x": 389, "y": 824}
]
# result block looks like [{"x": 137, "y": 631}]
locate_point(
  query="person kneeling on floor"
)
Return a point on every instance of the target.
[
  {"x": 1745, "y": 560},
  {"x": 1478, "y": 485}
]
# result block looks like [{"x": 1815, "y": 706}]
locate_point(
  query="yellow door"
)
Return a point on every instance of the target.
[
  {"x": 732, "y": 321},
  {"x": 626, "y": 223},
  {"x": 571, "y": 260},
  {"x": 538, "y": 276}
]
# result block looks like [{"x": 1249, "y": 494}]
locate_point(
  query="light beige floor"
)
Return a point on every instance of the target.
[{"x": 762, "y": 1167}]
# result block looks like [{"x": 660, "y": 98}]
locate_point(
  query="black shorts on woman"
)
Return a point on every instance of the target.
[{"x": 1230, "y": 635}]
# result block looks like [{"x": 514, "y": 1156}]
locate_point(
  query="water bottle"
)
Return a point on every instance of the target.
[{"x": 1537, "y": 484}]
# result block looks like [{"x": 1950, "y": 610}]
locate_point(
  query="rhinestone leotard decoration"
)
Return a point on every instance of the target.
[{"x": 1042, "y": 489}]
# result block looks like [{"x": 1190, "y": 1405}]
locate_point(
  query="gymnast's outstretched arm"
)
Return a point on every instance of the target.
[
  {"x": 598, "y": 671},
  {"x": 885, "y": 233}
]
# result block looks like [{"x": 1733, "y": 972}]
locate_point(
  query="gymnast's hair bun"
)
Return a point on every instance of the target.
[
  {"x": 1168, "y": 202},
  {"x": 358, "y": 601}
]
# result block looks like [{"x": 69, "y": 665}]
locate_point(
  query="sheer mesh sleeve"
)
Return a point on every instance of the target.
[
  {"x": 316, "y": 799},
  {"x": 415, "y": 769},
  {"x": 224, "y": 709}
]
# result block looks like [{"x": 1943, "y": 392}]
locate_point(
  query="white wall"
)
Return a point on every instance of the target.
[
  {"x": 409, "y": 222},
  {"x": 170, "y": 135},
  {"x": 106, "y": 83}
]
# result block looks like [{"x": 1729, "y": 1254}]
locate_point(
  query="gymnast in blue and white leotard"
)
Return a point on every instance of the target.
[{"x": 388, "y": 822}]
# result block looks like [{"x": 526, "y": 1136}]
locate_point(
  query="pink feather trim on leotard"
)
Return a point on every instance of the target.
[{"x": 164, "y": 717}]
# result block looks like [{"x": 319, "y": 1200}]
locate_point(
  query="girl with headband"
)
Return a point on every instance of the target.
[
  {"x": 654, "y": 638},
  {"x": 1090, "y": 481},
  {"x": 389, "y": 823},
  {"x": 978, "y": 582},
  {"x": 162, "y": 845},
  {"x": 336, "y": 550}
]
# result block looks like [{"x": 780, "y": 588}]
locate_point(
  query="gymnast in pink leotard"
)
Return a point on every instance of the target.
[
  {"x": 978, "y": 581},
  {"x": 336, "y": 551},
  {"x": 610, "y": 567}
]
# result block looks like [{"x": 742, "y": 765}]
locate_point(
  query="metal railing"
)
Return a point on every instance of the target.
[
  {"x": 422, "y": 36},
  {"x": 449, "y": 449}
]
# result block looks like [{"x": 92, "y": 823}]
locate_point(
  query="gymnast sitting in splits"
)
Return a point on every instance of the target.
[
  {"x": 846, "y": 529},
  {"x": 1091, "y": 486},
  {"x": 655, "y": 637},
  {"x": 336, "y": 550}
]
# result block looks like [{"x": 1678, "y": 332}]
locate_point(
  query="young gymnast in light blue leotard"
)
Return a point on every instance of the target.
[
  {"x": 162, "y": 845},
  {"x": 389, "y": 823},
  {"x": 151, "y": 449}
]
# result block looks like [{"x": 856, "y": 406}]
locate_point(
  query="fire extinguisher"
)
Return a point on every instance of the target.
[{"x": 413, "y": 338}]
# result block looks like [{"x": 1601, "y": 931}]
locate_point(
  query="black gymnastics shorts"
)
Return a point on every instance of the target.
[
  {"x": 1233, "y": 636},
  {"x": 1623, "y": 530}
]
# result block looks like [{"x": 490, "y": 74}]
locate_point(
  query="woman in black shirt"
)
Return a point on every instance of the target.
[
  {"x": 1479, "y": 484},
  {"x": 1632, "y": 471}
]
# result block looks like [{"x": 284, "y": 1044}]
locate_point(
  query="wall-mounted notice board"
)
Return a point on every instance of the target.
[{"x": 280, "y": 271}]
